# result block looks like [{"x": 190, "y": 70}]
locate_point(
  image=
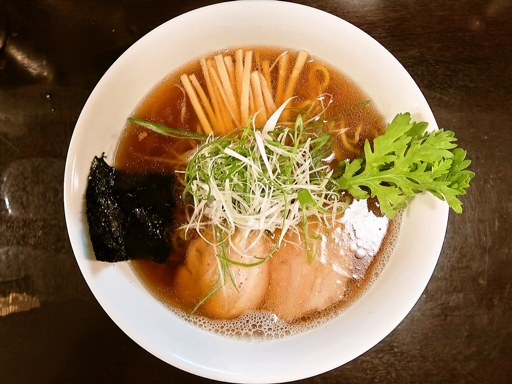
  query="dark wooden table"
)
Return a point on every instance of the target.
[{"x": 52, "y": 53}]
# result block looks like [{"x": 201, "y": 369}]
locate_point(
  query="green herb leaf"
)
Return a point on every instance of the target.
[{"x": 405, "y": 161}]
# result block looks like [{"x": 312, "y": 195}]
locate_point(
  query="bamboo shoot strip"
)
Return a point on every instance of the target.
[
  {"x": 239, "y": 71},
  {"x": 281, "y": 78},
  {"x": 228, "y": 61},
  {"x": 244, "y": 95},
  {"x": 292, "y": 81},
  {"x": 211, "y": 93},
  {"x": 266, "y": 74},
  {"x": 205, "y": 101},
  {"x": 220, "y": 112},
  {"x": 257, "y": 61},
  {"x": 196, "y": 104},
  {"x": 227, "y": 90},
  {"x": 261, "y": 117},
  {"x": 297, "y": 68},
  {"x": 227, "y": 124},
  {"x": 252, "y": 106},
  {"x": 267, "y": 96}
]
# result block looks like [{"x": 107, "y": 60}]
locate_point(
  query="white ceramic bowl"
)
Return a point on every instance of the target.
[{"x": 150, "y": 323}]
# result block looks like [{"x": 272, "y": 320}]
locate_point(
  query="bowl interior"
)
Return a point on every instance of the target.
[{"x": 145, "y": 319}]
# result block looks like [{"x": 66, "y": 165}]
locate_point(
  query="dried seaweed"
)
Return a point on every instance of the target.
[{"x": 130, "y": 215}]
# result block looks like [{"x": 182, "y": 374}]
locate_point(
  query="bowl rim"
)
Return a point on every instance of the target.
[{"x": 97, "y": 276}]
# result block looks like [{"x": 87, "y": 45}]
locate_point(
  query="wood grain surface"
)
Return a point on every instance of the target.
[{"x": 53, "y": 52}]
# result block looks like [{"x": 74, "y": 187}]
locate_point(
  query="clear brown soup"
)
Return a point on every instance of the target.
[{"x": 140, "y": 150}]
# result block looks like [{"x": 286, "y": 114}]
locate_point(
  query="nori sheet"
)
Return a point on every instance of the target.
[{"x": 130, "y": 215}]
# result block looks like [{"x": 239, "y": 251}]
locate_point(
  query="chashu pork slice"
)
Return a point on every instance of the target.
[
  {"x": 302, "y": 285},
  {"x": 243, "y": 287}
]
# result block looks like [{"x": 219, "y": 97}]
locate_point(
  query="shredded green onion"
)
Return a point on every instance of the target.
[
  {"x": 262, "y": 180},
  {"x": 167, "y": 131}
]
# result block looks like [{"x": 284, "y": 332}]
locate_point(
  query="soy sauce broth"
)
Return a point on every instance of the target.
[{"x": 141, "y": 150}]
